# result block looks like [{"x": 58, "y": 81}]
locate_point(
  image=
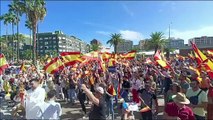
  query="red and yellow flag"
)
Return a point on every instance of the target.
[
  {"x": 70, "y": 58},
  {"x": 157, "y": 55},
  {"x": 130, "y": 55},
  {"x": 111, "y": 90},
  {"x": 160, "y": 61},
  {"x": 203, "y": 58},
  {"x": 210, "y": 52},
  {"x": 53, "y": 66},
  {"x": 3, "y": 63},
  {"x": 148, "y": 61},
  {"x": 22, "y": 67}
]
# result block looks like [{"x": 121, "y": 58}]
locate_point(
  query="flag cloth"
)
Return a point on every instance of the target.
[
  {"x": 3, "y": 63},
  {"x": 203, "y": 58},
  {"x": 70, "y": 58},
  {"x": 157, "y": 55},
  {"x": 130, "y": 55},
  {"x": 148, "y": 60},
  {"x": 210, "y": 52},
  {"x": 22, "y": 68},
  {"x": 160, "y": 61},
  {"x": 111, "y": 90},
  {"x": 54, "y": 66}
]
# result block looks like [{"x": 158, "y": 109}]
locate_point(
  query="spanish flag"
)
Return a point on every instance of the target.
[
  {"x": 106, "y": 56},
  {"x": 54, "y": 66},
  {"x": 130, "y": 55},
  {"x": 210, "y": 52},
  {"x": 160, "y": 61},
  {"x": 70, "y": 58},
  {"x": 22, "y": 68},
  {"x": 148, "y": 61},
  {"x": 93, "y": 54},
  {"x": 157, "y": 55},
  {"x": 195, "y": 70},
  {"x": 111, "y": 90},
  {"x": 3, "y": 63},
  {"x": 203, "y": 58}
]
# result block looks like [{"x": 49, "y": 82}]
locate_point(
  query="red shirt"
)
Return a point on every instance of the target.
[{"x": 184, "y": 113}]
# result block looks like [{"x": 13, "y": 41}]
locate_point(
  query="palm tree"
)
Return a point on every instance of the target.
[
  {"x": 28, "y": 24},
  {"x": 95, "y": 47},
  {"x": 15, "y": 8},
  {"x": 5, "y": 18},
  {"x": 115, "y": 40},
  {"x": 35, "y": 11},
  {"x": 157, "y": 41}
]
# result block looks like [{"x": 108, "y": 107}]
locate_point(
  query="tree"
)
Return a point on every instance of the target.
[
  {"x": 26, "y": 54},
  {"x": 9, "y": 18},
  {"x": 95, "y": 47},
  {"x": 28, "y": 24},
  {"x": 17, "y": 10},
  {"x": 115, "y": 40},
  {"x": 35, "y": 11},
  {"x": 156, "y": 42}
]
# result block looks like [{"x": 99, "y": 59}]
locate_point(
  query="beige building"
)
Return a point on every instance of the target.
[{"x": 125, "y": 46}]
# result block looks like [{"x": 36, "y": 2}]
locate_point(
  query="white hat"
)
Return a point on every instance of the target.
[
  {"x": 180, "y": 98},
  {"x": 100, "y": 90}
]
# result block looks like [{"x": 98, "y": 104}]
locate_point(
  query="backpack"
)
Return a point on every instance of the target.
[{"x": 194, "y": 99}]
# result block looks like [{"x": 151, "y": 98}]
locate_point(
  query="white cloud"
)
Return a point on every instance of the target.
[
  {"x": 131, "y": 35},
  {"x": 188, "y": 34},
  {"x": 103, "y": 33},
  {"x": 127, "y": 10}
]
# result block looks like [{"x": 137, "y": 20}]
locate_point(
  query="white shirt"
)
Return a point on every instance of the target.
[
  {"x": 36, "y": 97},
  {"x": 201, "y": 98},
  {"x": 50, "y": 110}
]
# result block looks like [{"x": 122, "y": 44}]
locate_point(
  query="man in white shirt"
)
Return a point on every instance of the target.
[
  {"x": 198, "y": 108},
  {"x": 34, "y": 97},
  {"x": 50, "y": 109}
]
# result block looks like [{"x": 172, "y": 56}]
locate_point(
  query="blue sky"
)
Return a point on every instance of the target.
[{"x": 134, "y": 20}]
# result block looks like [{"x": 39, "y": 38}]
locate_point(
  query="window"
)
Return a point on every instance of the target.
[
  {"x": 54, "y": 42},
  {"x": 59, "y": 38},
  {"x": 46, "y": 47},
  {"x": 41, "y": 38},
  {"x": 41, "y": 47},
  {"x": 54, "y": 38},
  {"x": 45, "y": 43},
  {"x": 50, "y": 37},
  {"x": 46, "y": 38},
  {"x": 54, "y": 46}
]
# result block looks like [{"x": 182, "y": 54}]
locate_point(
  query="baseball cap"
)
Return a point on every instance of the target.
[{"x": 100, "y": 90}]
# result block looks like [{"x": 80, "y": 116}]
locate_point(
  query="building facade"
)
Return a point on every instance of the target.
[
  {"x": 56, "y": 42},
  {"x": 176, "y": 43},
  {"x": 202, "y": 41},
  {"x": 125, "y": 46},
  {"x": 142, "y": 44}
]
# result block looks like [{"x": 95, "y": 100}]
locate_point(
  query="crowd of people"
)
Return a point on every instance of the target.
[{"x": 188, "y": 95}]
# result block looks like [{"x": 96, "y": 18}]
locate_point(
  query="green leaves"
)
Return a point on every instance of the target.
[{"x": 115, "y": 40}]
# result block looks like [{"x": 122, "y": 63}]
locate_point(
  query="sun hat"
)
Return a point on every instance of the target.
[
  {"x": 100, "y": 90},
  {"x": 180, "y": 98}
]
